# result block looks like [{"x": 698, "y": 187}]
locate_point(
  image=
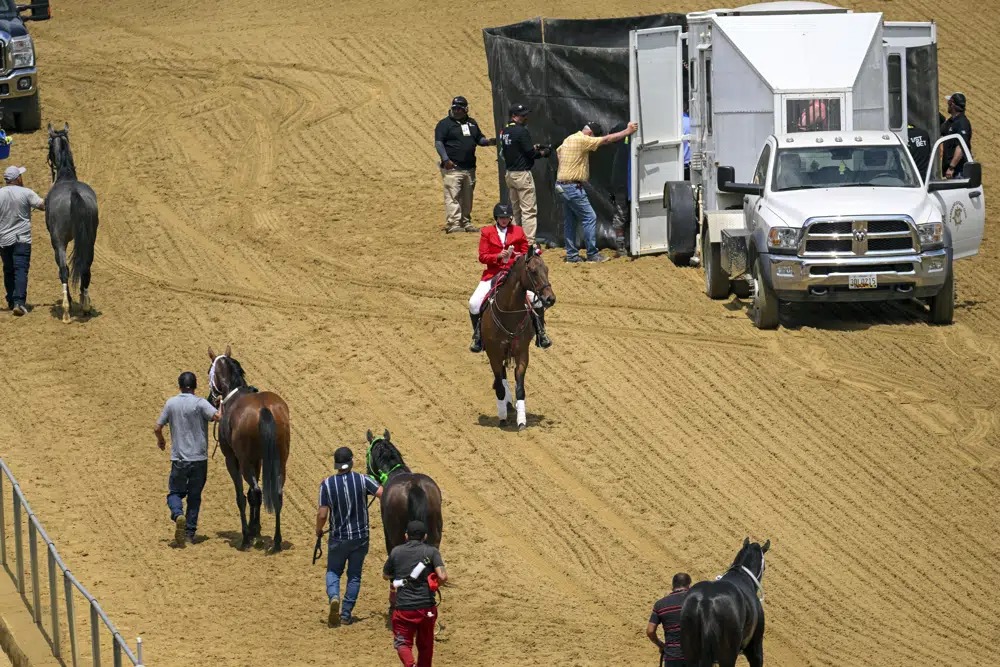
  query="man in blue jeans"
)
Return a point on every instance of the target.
[
  {"x": 343, "y": 503},
  {"x": 572, "y": 176},
  {"x": 16, "y": 202},
  {"x": 188, "y": 416}
]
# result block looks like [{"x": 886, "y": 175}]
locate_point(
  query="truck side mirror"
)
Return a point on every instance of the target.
[
  {"x": 40, "y": 11},
  {"x": 726, "y": 178},
  {"x": 972, "y": 178}
]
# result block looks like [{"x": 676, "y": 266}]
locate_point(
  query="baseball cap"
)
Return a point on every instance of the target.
[
  {"x": 416, "y": 527},
  {"x": 958, "y": 99},
  {"x": 459, "y": 102},
  {"x": 519, "y": 110},
  {"x": 343, "y": 457},
  {"x": 13, "y": 173},
  {"x": 596, "y": 128}
]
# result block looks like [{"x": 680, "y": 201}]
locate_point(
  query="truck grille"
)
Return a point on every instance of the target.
[{"x": 853, "y": 238}]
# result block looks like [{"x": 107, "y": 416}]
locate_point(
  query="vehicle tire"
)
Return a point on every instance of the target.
[
  {"x": 30, "y": 119},
  {"x": 741, "y": 288},
  {"x": 942, "y": 305},
  {"x": 764, "y": 309},
  {"x": 716, "y": 280},
  {"x": 682, "y": 222}
]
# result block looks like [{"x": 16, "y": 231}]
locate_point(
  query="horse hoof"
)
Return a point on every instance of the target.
[
  {"x": 521, "y": 427},
  {"x": 65, "y": 318}
]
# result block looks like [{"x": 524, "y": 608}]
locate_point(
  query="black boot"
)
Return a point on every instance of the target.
[
  {"x": 541, "y": 338},
  {"x": 477, "y": 337}
]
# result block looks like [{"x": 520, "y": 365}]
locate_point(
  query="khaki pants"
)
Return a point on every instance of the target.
[
  {"x": 459, "y": 184},
  {"x": 521, "y": 185}
]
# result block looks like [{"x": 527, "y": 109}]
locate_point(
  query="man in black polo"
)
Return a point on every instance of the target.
[
  {"x": 456, "y": 138},
  {"x": 919, "y": 143},
  {"x": 667, "y": 612},
  {"x": 519, "y": 155},
  {"x": 954, "y": 157}
]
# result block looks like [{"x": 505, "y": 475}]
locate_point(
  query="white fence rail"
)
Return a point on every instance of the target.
[{"x": 120, "y": 649}]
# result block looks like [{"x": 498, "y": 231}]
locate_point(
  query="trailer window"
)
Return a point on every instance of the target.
[
  {"x": 708, "y": 93},
  {"x": 813, "y": 115},
  {"x": 895, "y": 92}
]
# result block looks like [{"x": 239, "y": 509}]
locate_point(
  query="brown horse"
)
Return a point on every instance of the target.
[
  {"x": 406, "y": 496},
  {"x": 255, "y": 437},
  {"x": 508, "y": 329}
]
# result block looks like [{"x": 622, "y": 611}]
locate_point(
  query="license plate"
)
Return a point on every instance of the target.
[{"x": 863, "y": 281}]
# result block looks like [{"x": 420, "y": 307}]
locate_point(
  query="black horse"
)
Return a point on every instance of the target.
[
  {"x": 406, "y": 496},
  {"x": 721, "y": 619}
]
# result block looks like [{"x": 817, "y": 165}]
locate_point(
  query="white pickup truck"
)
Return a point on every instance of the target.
[{"x": 845, "y": 216}]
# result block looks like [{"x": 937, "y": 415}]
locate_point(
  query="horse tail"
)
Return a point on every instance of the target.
[
  {"x": 416, "y": 504},
  {"x": 83, "y": 218},
  {"x": 271, "y": 473}
]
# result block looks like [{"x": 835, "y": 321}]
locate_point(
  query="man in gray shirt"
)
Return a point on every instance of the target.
[
  {"x": 188, "y": 416},
  {"x": 16, "y": 202}
]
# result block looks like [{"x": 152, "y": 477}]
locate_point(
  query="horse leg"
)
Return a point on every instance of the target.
[
  {"x": 60, "y": 252},
  {"x": 519, "y": 371},
  {"x": 85, "y": 304},
  {"x": 498, "y": 389},
  {"x": 255, "y": 496},
  {"x": 277, "y": 521},
  {"x": 754, "y": 652},
  {"x": 241, "y": 501}
]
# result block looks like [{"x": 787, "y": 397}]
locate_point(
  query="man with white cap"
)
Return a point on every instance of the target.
[
  {"x": 16, "y": 202},
  {"x": 342, "y": 503}
]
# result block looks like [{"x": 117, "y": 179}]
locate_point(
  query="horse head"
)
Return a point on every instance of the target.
[
  {"x": 382, "y": 458},
  {"x": 225, "y": 375},
  {"x": 534, "y": 275},
  {"x": 60, "y": 155},
  {"x": 751, "y": 557}
]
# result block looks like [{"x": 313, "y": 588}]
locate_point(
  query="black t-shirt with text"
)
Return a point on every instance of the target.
[
  {"x": 919, "y": 144},
  {"x": 460, "y": 139},
  {"x": 518, "y": 150},
  {"x": 402, "y": 560}
]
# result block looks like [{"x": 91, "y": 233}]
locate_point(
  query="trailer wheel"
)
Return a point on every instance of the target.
[
  {"x": 682, "y": 223},
  {"x": 764, "y": 308},
  {"x": 716, "y": 280},
  {"x": 942, "y": 305}
]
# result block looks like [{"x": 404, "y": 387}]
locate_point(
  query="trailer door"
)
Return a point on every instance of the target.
[
  {"x": 912, "y": 77},
  {"x": 657, "y": 154}
]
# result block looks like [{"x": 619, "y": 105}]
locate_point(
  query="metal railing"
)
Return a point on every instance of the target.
[{"x": 21, "y": 510}]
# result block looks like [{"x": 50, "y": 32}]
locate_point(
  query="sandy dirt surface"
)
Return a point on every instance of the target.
[{"x": 267, "y": 179}]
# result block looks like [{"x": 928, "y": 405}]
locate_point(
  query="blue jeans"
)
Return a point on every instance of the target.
[
  {"x": 16, "y": 261},
  {"x": 352, "y": 553},
  {"x": 187, "y": 478},
  {"x": 576, "y": 206}
]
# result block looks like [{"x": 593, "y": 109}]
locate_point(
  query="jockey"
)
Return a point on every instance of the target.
[{"x": 499, "y": 247}]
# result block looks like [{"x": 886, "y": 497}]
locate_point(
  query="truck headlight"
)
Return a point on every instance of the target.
[
  {"x": 931, "y": 235},
  {"x": 783, "y": 238},
  {"x": 22, "y": 52}
]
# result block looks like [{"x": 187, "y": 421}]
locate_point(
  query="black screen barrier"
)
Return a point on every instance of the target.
[{"x": 567, "y": 72}]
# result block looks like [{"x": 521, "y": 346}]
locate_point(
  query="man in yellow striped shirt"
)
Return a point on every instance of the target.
[{"x": 573, "y": 174}]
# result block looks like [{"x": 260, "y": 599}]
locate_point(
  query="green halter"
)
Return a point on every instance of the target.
[{"x": 380, "y": 476}]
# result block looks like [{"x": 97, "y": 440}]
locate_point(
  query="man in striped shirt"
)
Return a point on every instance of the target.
[
  {"x": 667, "y": 612},
  {"x": 342, "y": 503}
]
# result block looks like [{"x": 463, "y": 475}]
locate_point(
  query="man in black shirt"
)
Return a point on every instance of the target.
[
  {"x": 667, "y": 612},
  {"x": 415, "y": 611},
  {"x": 954, "y": 157},
  {"x": 919, "y": 143},
  {"x": 519, "y": 156},
  {"x": 456, "y": 138}
]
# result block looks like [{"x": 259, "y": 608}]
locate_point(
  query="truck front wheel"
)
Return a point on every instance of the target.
[
  {"x": 30, "y": 119},
  {"x": 764, "y": 307},
  {"x": 943, "y": 303}
]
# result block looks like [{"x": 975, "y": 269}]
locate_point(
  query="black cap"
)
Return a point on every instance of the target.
[
  {"x": 519, "y": 110},
  {"x": 416, "y": 529},
  {"x": 502, "y": 211},
  {"x": 459, "y": 102},
  {"x": 958, "y": 99},
  {"x": 596, "y": 128},
  {"x": 187, "y": 380},
  {"x": 343, "y": 458}
]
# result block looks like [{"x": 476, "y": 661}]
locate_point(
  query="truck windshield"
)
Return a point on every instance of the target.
[{"x": 843, "y": 166}]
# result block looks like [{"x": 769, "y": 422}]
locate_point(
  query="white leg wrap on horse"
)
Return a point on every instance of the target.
[
  {"x": 506, "y": 389},
  {"x": 522, "y": 418},
  {"x": 502, "y": 410}
]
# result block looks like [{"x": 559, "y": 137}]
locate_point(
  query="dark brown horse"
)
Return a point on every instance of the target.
[
  {"x": 508, "y": 329},
  {"x": 406, "y": 496},
  {"x": 255, "y": 437}
]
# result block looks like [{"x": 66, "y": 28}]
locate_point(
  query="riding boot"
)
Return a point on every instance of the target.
[
  {"x": 541, "y": 338},
  {"x": 477, "y": 336}
]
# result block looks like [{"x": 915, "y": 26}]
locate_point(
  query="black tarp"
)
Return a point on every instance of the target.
[
  {"x": 922, "y": 89},
  {"x": 567, "y": 71}
]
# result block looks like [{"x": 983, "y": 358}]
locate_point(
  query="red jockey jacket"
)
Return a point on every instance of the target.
[{"x": 490, "y": 248}]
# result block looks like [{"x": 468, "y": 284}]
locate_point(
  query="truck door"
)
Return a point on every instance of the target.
[
  {"x": 655, "y": 101},
  {"x": 912, "y": 76},
  {"x": 963, "y": 211}
]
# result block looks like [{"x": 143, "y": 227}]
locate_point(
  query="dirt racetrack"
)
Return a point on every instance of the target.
[{"x": 267, "y": 179}]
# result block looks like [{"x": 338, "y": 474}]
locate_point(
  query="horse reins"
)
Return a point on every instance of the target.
[{"x": 494, "y": 308}]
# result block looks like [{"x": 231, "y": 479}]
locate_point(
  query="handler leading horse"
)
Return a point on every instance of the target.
[{"x": 515, "y": 289}]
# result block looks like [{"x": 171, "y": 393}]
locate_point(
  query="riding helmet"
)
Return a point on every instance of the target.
[{"x": 502, "y": 211}]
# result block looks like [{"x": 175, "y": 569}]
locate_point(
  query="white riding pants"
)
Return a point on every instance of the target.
[{"x": 477, "y": 298}]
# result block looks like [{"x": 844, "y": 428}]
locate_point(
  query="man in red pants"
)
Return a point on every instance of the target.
[{"x": 409, "y": 567}]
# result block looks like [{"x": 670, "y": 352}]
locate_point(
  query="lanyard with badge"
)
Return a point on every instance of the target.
[{"x": 465, "y": 129}]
